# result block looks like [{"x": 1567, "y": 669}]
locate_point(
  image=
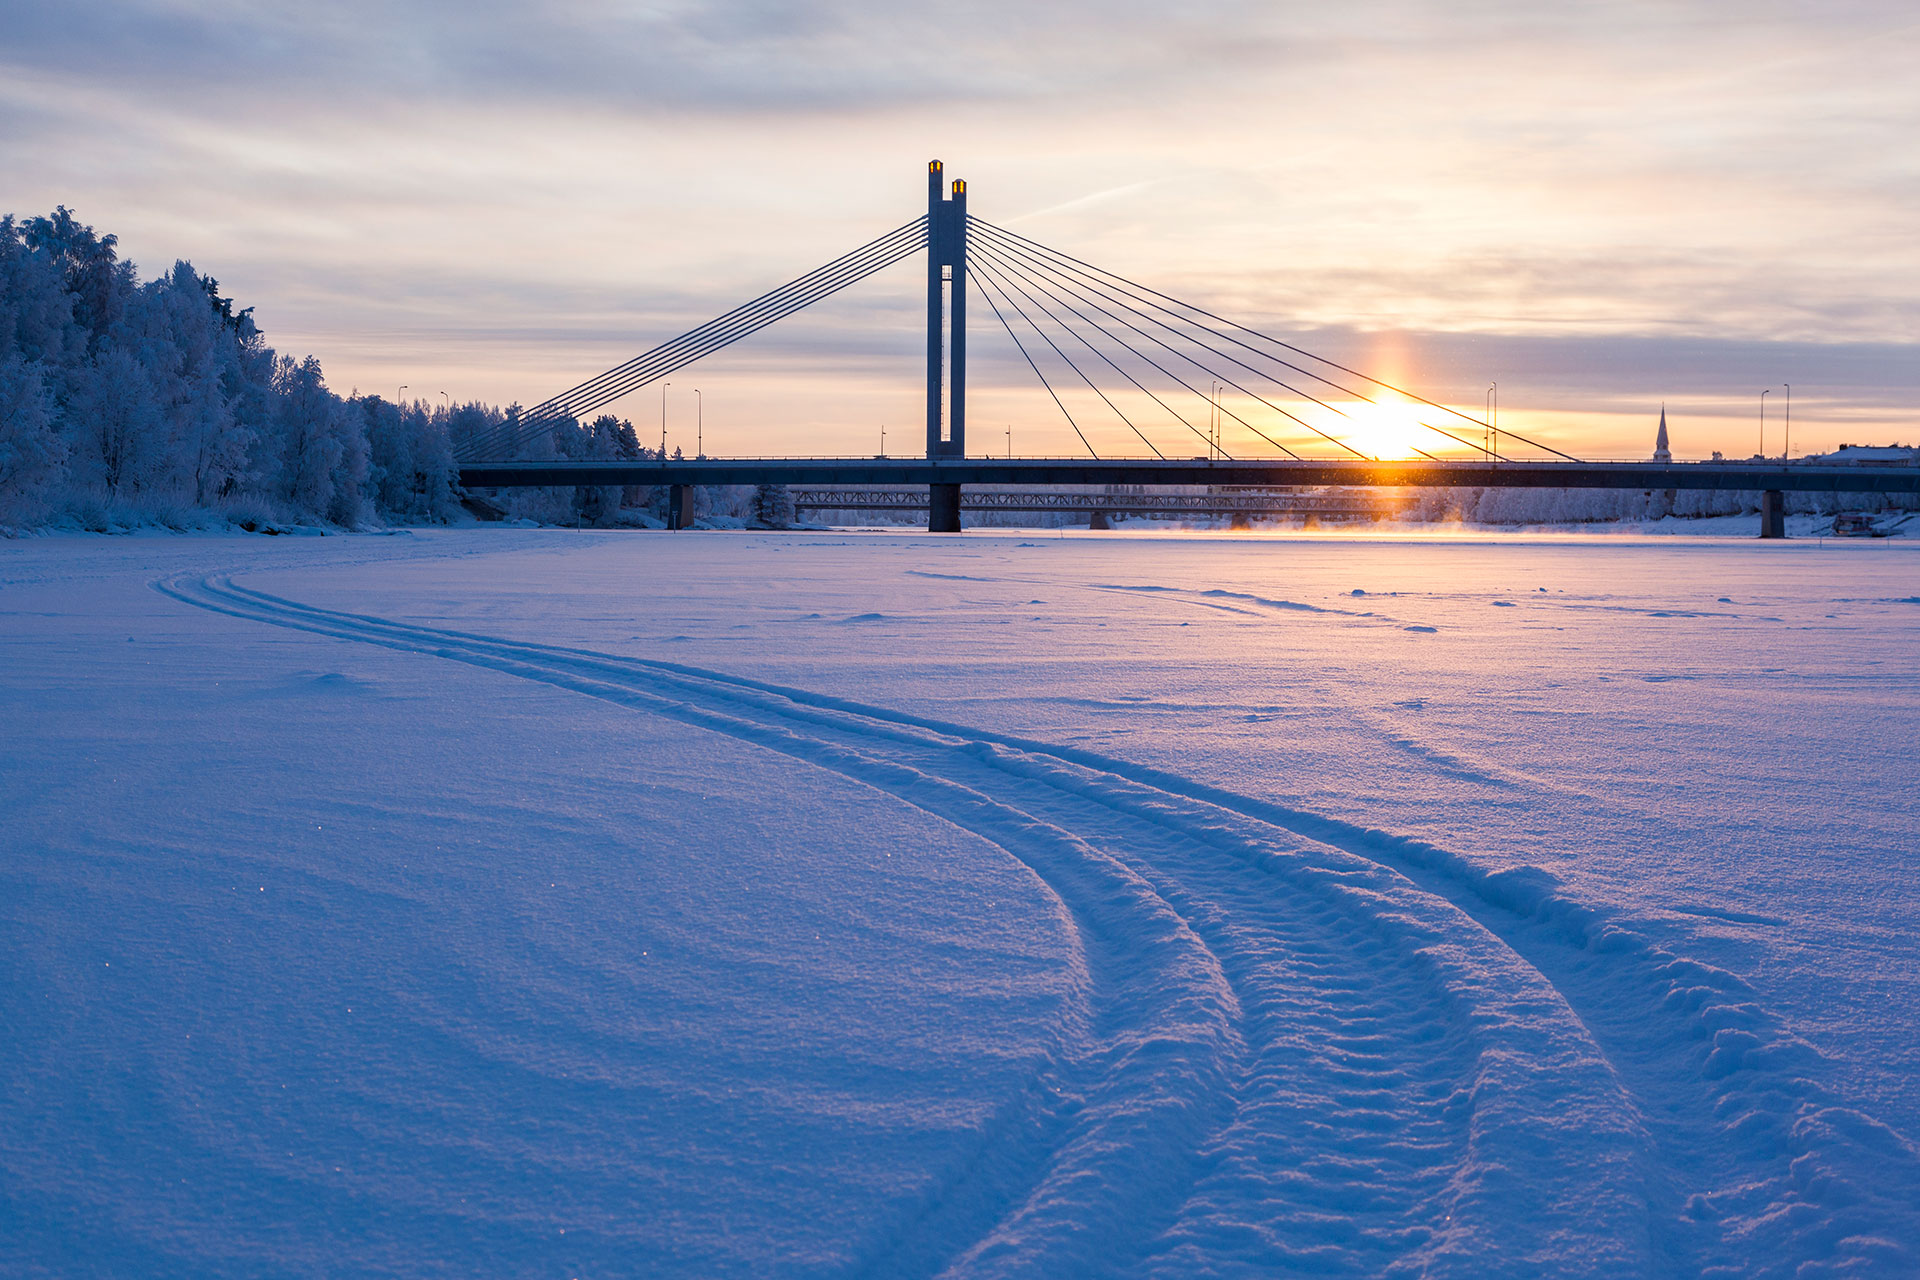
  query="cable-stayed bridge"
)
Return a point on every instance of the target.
[{"x": 1172, "y": 373}]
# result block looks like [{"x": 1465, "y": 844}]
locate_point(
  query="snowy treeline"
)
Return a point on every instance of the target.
[{"x": 130, "y": 403}]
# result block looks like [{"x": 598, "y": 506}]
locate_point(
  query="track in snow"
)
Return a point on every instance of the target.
[{"x": 1303, "y": 1045}]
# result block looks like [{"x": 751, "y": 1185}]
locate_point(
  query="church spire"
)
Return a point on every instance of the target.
[{"x": 1661, "y": 453}]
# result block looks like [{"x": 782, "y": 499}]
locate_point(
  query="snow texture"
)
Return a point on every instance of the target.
[{"x": 530, "y": 902}]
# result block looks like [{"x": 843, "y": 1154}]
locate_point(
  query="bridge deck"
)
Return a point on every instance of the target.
[{"x": 1747, "y": 476}]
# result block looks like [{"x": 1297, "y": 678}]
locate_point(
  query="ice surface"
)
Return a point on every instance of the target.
[{"x": 513, "y": 901}]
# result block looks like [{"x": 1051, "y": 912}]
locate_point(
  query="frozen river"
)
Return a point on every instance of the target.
[{"x": 535, "y": 902}]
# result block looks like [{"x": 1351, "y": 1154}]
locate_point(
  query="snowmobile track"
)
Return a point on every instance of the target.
[{"x": 1330, "y": 1043}]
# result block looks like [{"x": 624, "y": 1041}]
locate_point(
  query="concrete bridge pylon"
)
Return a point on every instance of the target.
[{"x": 946, "y": 339}]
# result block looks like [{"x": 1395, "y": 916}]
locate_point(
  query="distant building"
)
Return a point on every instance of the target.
[{"x": 1660, "y": 451}]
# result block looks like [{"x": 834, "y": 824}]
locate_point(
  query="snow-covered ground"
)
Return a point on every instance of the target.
[{"x": 515, "y": 902}]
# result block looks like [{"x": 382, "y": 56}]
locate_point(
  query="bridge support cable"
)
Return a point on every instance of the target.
[
  {"x": 1013, "y": 267},
  {"x": 1050, "y": 290},
  {"x": 691, "y": 346},
  {"x": 1136, "y": 291},
  {"x": 751, "y": 317},
  {"x": 1225, "y": 355},
  {"x": 1083, "y": 282},
  {"x": 1008, "y": 298},
  {"x": 723, "y": 330},
  {"x": 1153, "y": 297},
  {"x": 683, "y": 351},
  {"x": 712, "y": 336},
  {"x": 987, "y": 292},
  {"x": 989, "y": 262},
  {"x": 1082, "y": 291},
  {"x": 835, "y": 275},
  {"x": 1264, "y": 337}
]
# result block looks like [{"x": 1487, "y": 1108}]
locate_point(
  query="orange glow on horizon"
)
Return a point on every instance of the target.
[{"x": 1387, "y": 428}]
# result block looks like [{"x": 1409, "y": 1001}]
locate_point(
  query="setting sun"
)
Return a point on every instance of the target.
[{"x": 1385, "y": 429}]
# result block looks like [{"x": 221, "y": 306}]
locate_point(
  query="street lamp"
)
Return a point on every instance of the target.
[
  {"x": 399, "y": 395},
  {"x": 1216, "y": 423},
  {"x": 1763, "y": 422},
  {"x": 1009, "y": 442},
  {"x": 883, "y": 439},
  {"x": 663, "y": 420},
  {"x": 699, "y": 424},
  {"x": 1786, "y": 446}
]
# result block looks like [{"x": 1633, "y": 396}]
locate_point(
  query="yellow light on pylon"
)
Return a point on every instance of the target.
[
  {"x": 959, "y": 186},
  {"x": 933, "y": 166}
]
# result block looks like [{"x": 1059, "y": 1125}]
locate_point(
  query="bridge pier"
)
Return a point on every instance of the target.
[
  {"x": 943, "y": 508},
  {"x": 1773, "y": 514},
  {"x": 1099, "y": 520},
  {"x": 680, "y": 506}
]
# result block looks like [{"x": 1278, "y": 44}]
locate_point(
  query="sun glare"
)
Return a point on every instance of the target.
[{"x": 1384, "y": 429}]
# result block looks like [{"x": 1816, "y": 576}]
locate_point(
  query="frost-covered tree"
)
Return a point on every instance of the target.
[
  {"x": 95, "y": 279},
  {"x": 469, "y": 423},
  {"x": 212, "y": 443},
  {"x": 36, "y": 310},
  {"x": 32, "y": 454},
  {"x": 323, "y": 451},
  {"x": 196, "y": 359},
  {"x": 772, "y": 506},
  {"x": 610, "y": 439},
  {"x": 114, "y": 425},
  {"x": 411, "y": 472}
]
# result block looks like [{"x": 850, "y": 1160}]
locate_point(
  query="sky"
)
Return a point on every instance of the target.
[{"x": 1601, "y": 207}]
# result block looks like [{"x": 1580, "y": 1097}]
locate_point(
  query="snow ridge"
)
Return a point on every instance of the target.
[{"x": 1310, "y": 1044}]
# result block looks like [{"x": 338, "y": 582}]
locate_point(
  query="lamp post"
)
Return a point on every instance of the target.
[
  {"x": 699, "y": 424},
  {"x": 1786, "y": 446},
  {"x": 883, "y": 439},
  {"x": 1215, "y": 423},
  {"x": 1493, "y": 419},
  {"x": 1009, "y": 442},
  {"x": 448, "y": 406},
  {"x": 1763, "y": 422},
  {"x": 399, "y": 395},
  {"x": 663, "y": 420}
]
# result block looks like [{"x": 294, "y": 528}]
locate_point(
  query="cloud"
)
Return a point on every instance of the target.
[
  {"x": 1591, "y": 203},
  {"x": 724, "y": 56}
]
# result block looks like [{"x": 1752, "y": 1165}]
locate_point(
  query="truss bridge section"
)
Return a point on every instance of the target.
[{"x": 1131, "y": 500}]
